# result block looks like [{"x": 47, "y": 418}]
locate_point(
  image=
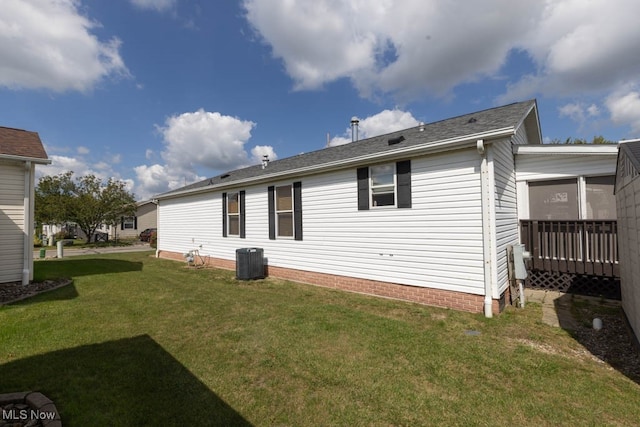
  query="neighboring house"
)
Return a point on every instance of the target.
[
  {"x": 129, "y": 227},
  {"x": 424, "y": 214},
  {"x": 628, "y": 203},
  {"x": 132, "y": 226},
  {"x": 20, "y": 152}
]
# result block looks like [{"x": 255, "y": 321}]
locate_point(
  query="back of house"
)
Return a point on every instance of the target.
[{"x": 424, "y": 214}]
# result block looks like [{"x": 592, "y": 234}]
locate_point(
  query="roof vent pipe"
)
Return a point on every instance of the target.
[
  {"x": 265, "y": 161},
  {"x": 354, "y": 128}
]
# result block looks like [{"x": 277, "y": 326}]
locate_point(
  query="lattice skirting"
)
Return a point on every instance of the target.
[{"x": 605, "y": 287}]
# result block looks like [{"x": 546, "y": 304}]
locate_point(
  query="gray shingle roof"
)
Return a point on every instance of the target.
[{"x": 508, "y": 116}]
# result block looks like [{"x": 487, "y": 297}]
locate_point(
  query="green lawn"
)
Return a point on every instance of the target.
[{"x": 141, "y": 341}]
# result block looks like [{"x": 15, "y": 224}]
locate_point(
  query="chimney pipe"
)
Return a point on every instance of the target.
[
  {"x": 265, "y": 161},
  {"x": 354, "y": 128}
]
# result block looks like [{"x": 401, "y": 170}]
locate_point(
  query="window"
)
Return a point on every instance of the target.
[
  {"x": 285, "y": 211},
  {"x": 128, "y": 223},
  {"x": 233, "y": 215},
  {"x": 385, "y": 185},
  {"x": 233, "y": 212},
  {"x": 556, "y": 199},
  {"x": 601, "y": 202}
]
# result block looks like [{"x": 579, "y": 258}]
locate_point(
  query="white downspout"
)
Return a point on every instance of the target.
[
  {"x": 28, "y": 238},
  {"x": 157, "y": 203},
  {"x": 486, "y": 200}
]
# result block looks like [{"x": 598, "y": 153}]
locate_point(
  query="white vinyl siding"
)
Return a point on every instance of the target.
[
  {"x": 12, "y": 227},
  {"x": 628, "y": 213},
  {"x": 437, "y": 243},
  {"x": 506, "y": 216}
]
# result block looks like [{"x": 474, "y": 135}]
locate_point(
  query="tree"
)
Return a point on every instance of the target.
[
  {"x": 596, "y": 140},
  {"x": 87, "y": 201}
]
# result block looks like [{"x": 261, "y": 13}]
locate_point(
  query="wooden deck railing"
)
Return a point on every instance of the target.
[{"x": 577, "y": 246}]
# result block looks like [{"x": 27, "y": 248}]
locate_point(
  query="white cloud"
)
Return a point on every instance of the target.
[
  {"x": 199, "y": 140},
  {"x": 579, "y": 112},
  {"x": 625, "y": 109},
  {"x": 157, "y": 5},
  {"x": 81, "y": 166},
  {"x": 82, "y": 150},
  {"x": 157, "y": 179},
  {"x": 259, "y": 151},
  {"x": 48, "y": 44},
  {"x": 384, "y": 122},
  {"x": 405, "y": 47},
  {"x": 413, "y": 48},
  {"x": 580, "y": 46}
]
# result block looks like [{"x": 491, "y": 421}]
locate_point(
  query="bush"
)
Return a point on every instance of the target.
[
  {"x": 153, "y": 240},
  {"x": 37, "y": 242}
]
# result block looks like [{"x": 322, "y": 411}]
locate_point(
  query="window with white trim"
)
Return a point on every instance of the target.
[
  {"x": 233, "y": 214},
  {"x": 284, "y": 211},
  {"x": 383, "y": 185},
  {"x": 128, "y": 223}
]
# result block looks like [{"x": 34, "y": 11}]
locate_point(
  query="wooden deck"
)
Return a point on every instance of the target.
[{"x": 585, "y": 247}]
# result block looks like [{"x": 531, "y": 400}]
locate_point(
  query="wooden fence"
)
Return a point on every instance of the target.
[{"x": 588, "y": 247}]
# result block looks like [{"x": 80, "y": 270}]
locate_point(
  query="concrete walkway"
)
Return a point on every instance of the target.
[
  {"x": 556, "y": 306},
  {"x": 69, "y": 251}
]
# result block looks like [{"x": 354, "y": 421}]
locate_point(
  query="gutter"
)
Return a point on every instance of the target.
[
  {"x": 36, "y": 160},
  {"x": 567, "y": 149},
  {"x": 439, "y": 146},
  {"x": 486, "y": 198},
  {"x": 28, "y": 223}
]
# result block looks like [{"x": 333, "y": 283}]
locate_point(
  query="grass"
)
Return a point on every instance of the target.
[{"x": 141, "y": 341}]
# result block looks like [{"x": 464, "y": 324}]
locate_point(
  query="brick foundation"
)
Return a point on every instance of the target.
[{"x": 428, "y": 296}]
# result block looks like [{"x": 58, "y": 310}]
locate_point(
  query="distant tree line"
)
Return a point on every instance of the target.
[{"x": 596, "y": 140}]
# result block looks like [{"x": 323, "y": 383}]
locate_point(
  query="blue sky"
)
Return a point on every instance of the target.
[{"x": 160, "y": 93}]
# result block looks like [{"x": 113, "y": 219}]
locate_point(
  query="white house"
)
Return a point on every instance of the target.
[
  {"x": 20, "y": 152},
  {"x": 424, "y": 214},
  {"x": 628, "y": 205}
]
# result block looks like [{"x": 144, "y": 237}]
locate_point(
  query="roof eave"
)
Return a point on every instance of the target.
[
  {"x": 433, "y": 147},
  {"x": 37, "y": 160},
  {"x": 567, "y": 149}
]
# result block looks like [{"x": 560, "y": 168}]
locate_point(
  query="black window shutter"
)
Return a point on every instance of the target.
[
  {"x": 135, "y": 222},
  {"x": 272, "y": 212},
  {"x": 242, "y": 231},
  {"x": 297, "y": 210},
  {"x": 121, "y": 223},
  {"x": 224, "y": 214},
  {"x": 363, "y": 189},
  {"x": 403, "y": 172}
]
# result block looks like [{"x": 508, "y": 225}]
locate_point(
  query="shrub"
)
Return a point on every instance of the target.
[
  {"x": 37, "y": 241},
  {"x": 153, "y": 240}
]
